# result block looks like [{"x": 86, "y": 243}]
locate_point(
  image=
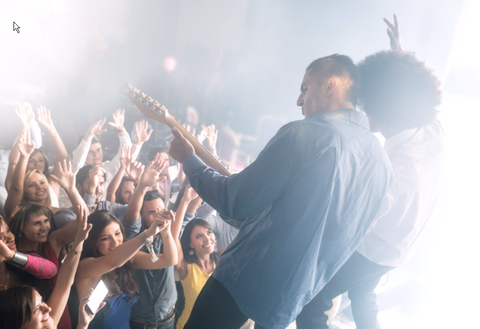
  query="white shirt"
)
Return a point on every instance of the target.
[
  {"x": 417, "y": 160},
  {"x": 111, "y": 167}
]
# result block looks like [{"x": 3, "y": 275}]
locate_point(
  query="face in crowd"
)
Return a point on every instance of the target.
[
  {"x": 110, "y": 238},
  {"x": 95, "y": 154},
  {"x": 36, "y": 228},
  {"x": 149, "y": 210},
  {"x": 36, "y": 161},
  {"x": 202, "y": 240},
  {"x": 6, "y": 236},
  {"x": 36, "y": 188}
]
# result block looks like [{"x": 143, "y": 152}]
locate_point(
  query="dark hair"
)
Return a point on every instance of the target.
[
  {"x": 82, "y": 174},
  {"x": 399, "y": 90},
  {"x": 185, "y": 240},
  {"x": 118, "y": 192},
  {"x": 150, "y": 196},
  {"x": 46, "y": 170},
  {"x": 16, "y": 307},
  {"x": 28, "y": 279},
  {"x": 340, "y": 66},
  {"x": 157, "y": 149},
  {"x": 21, "y": 215},
  {"x": 120, "y": 279}
]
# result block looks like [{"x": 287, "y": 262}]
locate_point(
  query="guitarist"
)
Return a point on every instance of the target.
[{"x": 306, "y": 202}]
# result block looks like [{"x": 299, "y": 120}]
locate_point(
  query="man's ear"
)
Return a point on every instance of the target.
[{"x": 331, "y": 86}]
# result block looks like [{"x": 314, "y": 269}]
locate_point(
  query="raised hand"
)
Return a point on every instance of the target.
[
  {"x": 83, "y": 227},
  {"x": 6, "y": 254},
  {"x": 25, "y": 145},
  {"x": 94, "y": 175},
  {"x": 203, "y": 134},
  {"x": 394, "y": 34},
  {"x": 96, "y": 128},
  {"x": 142, "y": 133},
  {"x": 118, "y": 119},
  {"x": 25, "y": 113},
  {"x": 44, "y": 117},
  {"x": 162, "y": 221},
  {"x": 153, "y": 173},
  {"x": 125, "y": 157},
  {"x": 66, "y": 178},
  {"x": 212, "y": 137},
  {"x": 190, "y": 193},
  {"x": 135, "y": 170}
]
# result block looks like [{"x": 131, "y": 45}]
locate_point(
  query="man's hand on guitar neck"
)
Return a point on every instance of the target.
[{"x": 180, "y": 147}]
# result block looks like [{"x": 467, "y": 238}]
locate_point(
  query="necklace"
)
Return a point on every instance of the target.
[{"x": 4, "y": 286}]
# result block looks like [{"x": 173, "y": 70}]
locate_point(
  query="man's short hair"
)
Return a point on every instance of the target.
[
  {"x": 150, "y": 196},
  {"x": 94, "y": 140},
  {"x": 82, "y": 174},
  {"x": 340, "y": 66},
  {"x": 153, "y": 152},
  {"x": 398, "y": 90}
]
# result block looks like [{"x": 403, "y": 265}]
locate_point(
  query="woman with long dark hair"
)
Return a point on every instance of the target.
[
  {"x": 108, "y": 257},
  {"x": 23, "y": 307},
  {"x": 197, "y": 257}
]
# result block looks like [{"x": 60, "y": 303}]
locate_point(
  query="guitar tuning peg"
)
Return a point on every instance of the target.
[
  {"x": 141, "y": 96},
  {"x": 148, "y": 100}
]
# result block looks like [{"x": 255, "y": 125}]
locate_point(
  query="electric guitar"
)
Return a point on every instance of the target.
[{"x": 156, "y": 111}]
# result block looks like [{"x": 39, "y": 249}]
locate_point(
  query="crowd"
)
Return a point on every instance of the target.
[{"x": 323, "y": 210}]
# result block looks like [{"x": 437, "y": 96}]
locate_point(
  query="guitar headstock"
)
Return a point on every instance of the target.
[{"x": 148, "y": 106}]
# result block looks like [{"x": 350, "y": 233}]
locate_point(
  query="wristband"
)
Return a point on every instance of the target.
[
  {"x": 143, "y": 237},
  {"x": 19, "y": 259}
]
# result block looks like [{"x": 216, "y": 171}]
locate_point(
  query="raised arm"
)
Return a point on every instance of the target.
[
  {"x": 117, "y": 122},
  {"x": 36, "y": 265},
  {"x": 188, "y": 196},
  {"x": 150, "y": 177},
  {"x": 44, "y": 118},
  {"x": 27, "y": 117},
  {"x": 394, "y": 34},
  {"x": 125, "y": 160},
  {"x": 25, "y": 147},
  {"x": 142, "y": 134},
  {"x": 66, "y": 179},
  {"x": 169, "y": 257},
  {"x": 96, "y": 267},
  {"x": 59, "y": 297},
  {"x": 81, "y": 152}
]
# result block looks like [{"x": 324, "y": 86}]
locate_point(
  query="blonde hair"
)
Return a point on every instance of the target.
[{"x": 29, "y": 174}]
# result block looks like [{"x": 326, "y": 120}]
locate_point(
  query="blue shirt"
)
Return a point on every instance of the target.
[
  {"x": 158, "y": 293},
  {"x": 307, "y": 202}
]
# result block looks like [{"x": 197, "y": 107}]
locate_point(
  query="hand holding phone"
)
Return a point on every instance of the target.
[{"x": 99, "y": 293}]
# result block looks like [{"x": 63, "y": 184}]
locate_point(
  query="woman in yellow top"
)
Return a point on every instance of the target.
[{"x": 196, "y": 254}]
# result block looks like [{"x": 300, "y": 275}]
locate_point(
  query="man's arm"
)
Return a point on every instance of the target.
[
  {"x": 81, "y": 152},
  {"x": 150, "y": 177},
  {"x": 257, "y": 186},
  {"x": 112, "y": 166}
]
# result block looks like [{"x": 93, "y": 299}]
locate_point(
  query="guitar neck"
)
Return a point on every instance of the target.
[
  {"x": 154, "y": 110},
  {"x": 200, "y": 150}
]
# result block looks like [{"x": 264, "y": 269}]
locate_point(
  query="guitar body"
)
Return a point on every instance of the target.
[{"x": 154, "y": 110}]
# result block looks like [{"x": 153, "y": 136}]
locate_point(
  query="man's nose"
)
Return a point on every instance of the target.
[{"x": 300, "y": 101}]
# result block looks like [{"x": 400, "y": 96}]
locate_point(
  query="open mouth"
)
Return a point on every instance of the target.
[
  {"x": 12, "y": 246},
  {"x": 46, "y": 319},
  {"x": 40, "y": 193}
]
